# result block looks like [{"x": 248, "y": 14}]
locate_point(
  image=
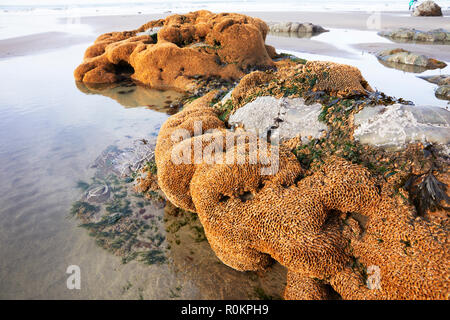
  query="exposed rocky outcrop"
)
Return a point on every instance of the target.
[
  {"x": 402, "y": 56},
  {"x": 397, "y": 125},
  {"x": 296, "y": 216},
  {"x": 427, "y": 9},
  {"x": 345, "y": 218},
  {"x": 177, "y": 51},
  {"x": 296, "y": 28},
  {"x": 407, "y": 34}
]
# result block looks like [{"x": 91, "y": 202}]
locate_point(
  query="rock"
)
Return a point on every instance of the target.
[
  {"x": 174, "y": 51},
  {"x": 428, "y": 9},
  {"x": 406, "y": 57},
  {"x": 443, "y": 92},
  {"x": 396, "y": 125},
  {"x": 285, "y": 118},
  {"x": 443, "y": 82},
  {"x": 407, "y": 34},
  {"x": 440, "y": 80},
  {"x": 296, "y": 27},
  {"x": 403, "y": 67}
]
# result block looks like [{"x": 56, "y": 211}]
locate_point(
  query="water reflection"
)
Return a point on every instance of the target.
[{"x": 131, "y": 95}]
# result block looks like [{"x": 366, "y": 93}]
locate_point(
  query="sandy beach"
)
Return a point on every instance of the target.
[{"x": 342, "y": 20}]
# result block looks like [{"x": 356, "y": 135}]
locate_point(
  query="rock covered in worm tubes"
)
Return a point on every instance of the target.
[
  {"x": 172, "y": 52},
  {"x": 331, "y": 227}
]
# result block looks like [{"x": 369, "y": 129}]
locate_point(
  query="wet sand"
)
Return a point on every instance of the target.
[{"x": 41, "y": 42}]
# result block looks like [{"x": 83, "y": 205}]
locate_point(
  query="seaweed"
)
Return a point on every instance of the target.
[
  {"x": 428, "y": 194},
  {"x": 154, "y": 256},
  {"x": 83, "y": 209}
]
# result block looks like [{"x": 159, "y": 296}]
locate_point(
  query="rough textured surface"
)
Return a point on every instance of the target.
[
  {"x": 284, "y": 118},
  {"x": 405, "y": 34},
  {"x": 174, "y": 51},
  {"x": 316, "y": 76},
  {"x": 443, "y": 92},
  {"x": 405, "y": 57},
  {"x": 296, "y": 27},
  {"x": 398, "y": 125},
  {"x": 311, "y": 224},
  {"x": 427, "y": 9}
]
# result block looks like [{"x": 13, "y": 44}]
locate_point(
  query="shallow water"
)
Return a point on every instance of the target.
[
  {"x": 50, "y": 132},
  {"x": 394, "y": 82}
]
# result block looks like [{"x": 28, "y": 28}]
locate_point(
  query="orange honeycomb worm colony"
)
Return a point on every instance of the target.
[
  {"x": 172, "y": 52},
  {"x": 301, "y": 221},
  {"x": 340, "y": 225}
]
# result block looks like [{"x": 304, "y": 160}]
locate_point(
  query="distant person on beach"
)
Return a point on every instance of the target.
[{"x": 412, "y": 4}]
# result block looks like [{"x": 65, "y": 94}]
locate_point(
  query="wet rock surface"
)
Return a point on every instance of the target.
[
  {"x": 401, "y": 56},
  {"x": 397, "y": 125},
  {"x": 443, "y": 82},
  {"x": 427, "y": 9},
  {"x": 443, "y": 92},
  {"x": 281, "y": 118},
  {"x": 296, "y": 28},
  {"x": 407, "y": 35}
]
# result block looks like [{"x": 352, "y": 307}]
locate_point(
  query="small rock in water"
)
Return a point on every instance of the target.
[
  {"x": 443, "y": 92},
  {"x": 405, "y": 57},
  {"x": 443, "y": 82},
  {"x": 440, "y": 80},
  {"x": 295, "y": 27},
  {"x": 407, "y": 34}
]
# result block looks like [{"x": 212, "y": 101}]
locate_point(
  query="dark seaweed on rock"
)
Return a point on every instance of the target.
[{"x": 429, "y": 194}]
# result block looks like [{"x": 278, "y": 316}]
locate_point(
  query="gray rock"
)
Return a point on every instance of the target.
[
  {"x": 440, "y": 80},
  {"x": 396, "y": 125},
  {"x": 443, "y": 82},
  {"x": 428, "y": 9},
  {"x": 443, "y": 92},
  {"x": 407, "y": 35},
  {"x": 286, "y": 118},
  {"x": 410, "y": 58},
  {"x": 296, "y": 27}
]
